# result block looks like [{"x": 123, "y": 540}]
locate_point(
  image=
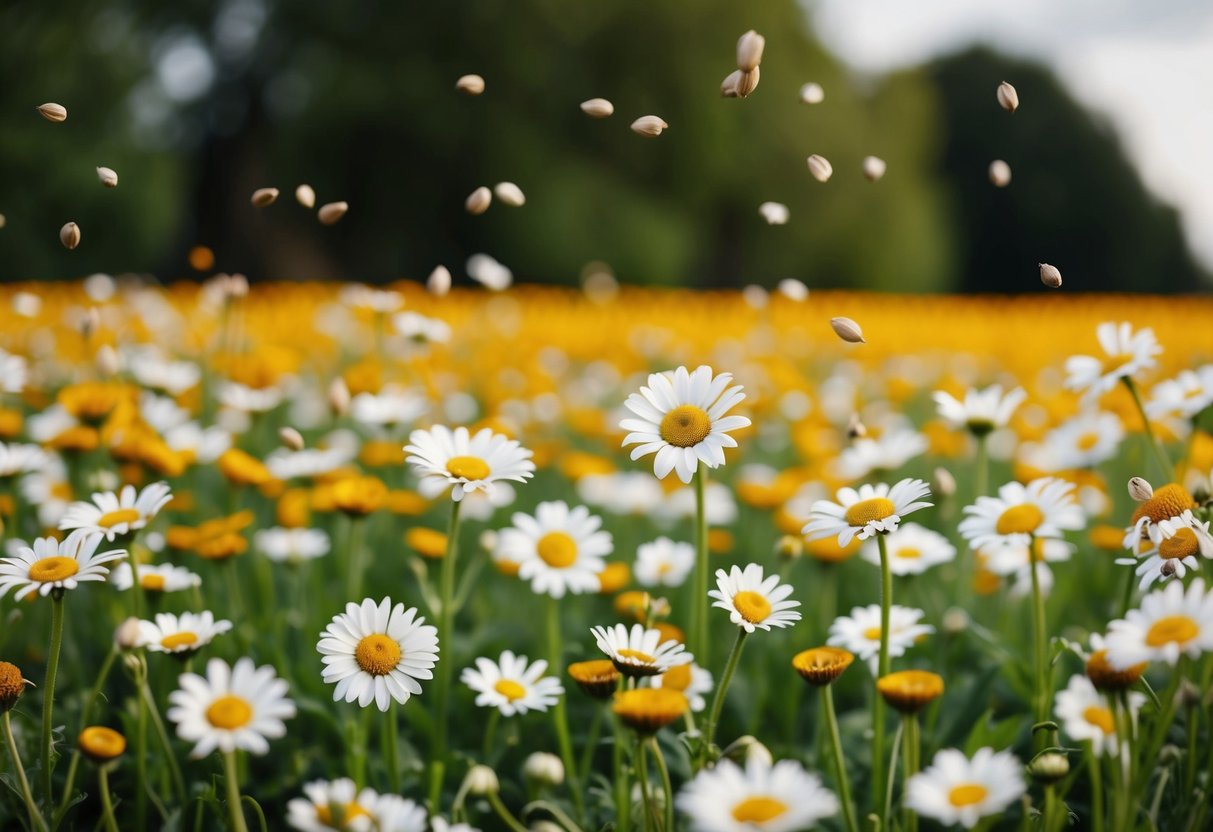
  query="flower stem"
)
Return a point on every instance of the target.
[
  {"x": 840, "y": 766},
  {"x": 699, "y": 618},
  {"x": 234, "y": 807},
  {"x": 107, "y": 804},
  {"x": 35, "y": 817},
  {"x": 667, "y": 789},
  {"x": 85, "y": 719},
  {"x": 709, "y": 730},
  {"x": 502, "y": 812},
  {"x": 1039, "y": 636},
  {"x": 442, "y": 677},
  {"x": 165, "y": 745},
  {"x": 623, "y": 801},
  {"x": 981, "y": 472},
  {"x": 355, "y": 560},
  {"x": 390, "y": 754},
  {"x": 559, "y": 713},
  {"x": 48, "y": 693},
  {"x": 1160, "y": 456},
  {"x": 1095, "y": 766},
  {"x": 909, "y": 763},
  {"x": 591, "y": 744},
  {"x": 882, "y": 669},
  {"x": 642, "y": 773}
]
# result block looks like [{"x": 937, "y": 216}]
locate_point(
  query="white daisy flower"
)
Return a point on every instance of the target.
[
  {"x": 982, "y": 411},
  {"x": 233, "y": 707},
  {"x": 1171, "y": 622},
  {"x": 623, "y": 492},
  {"x": 161, "y": 412},
  {"x": 1045, "y": 507},
  {"x": 682, "y": 420},
  {"x": 391, "y": 406},
  {"x": 184, "y": 634},
  {"x": 888, "y": 452},
  {"x": 1087, "y": 440},
  {"x": 1168, "y": 501},
  {"x": 860, "y": 632},
  {"x": 288, "y": 465},
  {"x": 766, "y": 796},
  {"x": 754, "y": 602},
  {"x": 49, "y": 489},
  {"x": 17, "y": 458},
  {"x": 50, "y": 564},
  {"x": 1125, "y": 354},
  {"x": 482, "y": 505},
  {"x": 205, "y": 444},
  {"x": 957, "y": 790},
  {"x": 1185, "y": 395},
  {"x": 376, "y": 653},
  {"x": 152, "y": 369},
  {"x": 444, "y": 458},
  {"x": 870, "y": 510},
  {"x": 420, "y": 330},
  {"x": 438, "y": 824},
  {"x": 913, "y": 549},
  {"x": 1012, "y": 558},
  {"x": 292, "y": 546},
  {"x": 111, "y": 514},
  {"x": 47, "y": 426},
  {"x": 511, "y": 686},
  {"x": 397, "y": 814},
  {"x": 691, "y": 680},
  {"x": 329, "y": 805},
  {"x": 639, "y": 651},
  {"x": 663, "y": 562},
  {"x": 246, "y": 399},
  {"x": 159, "y": 578},
  {"x": 361, "y": 296},
  {"x": 1086, "y": 716},
  {"x": 718, "y": 505},
  {"x": 558, "y": 550},
  {"x": 13, "y": 372}
]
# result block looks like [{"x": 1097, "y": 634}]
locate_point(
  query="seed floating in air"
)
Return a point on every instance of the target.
[
  {"x": 749, "y": 50},
  {"x": 821, "y": 168},
  {"x": 775, "y": 213},
  {"x": 847, "y": 330},
  {"x": 509, "y": 194},
  {"x": 873, "y": 168},
  {"x": 263, "y": 197},
  {"x": 290, "y": 438},
  {"x": 1008, "y": 98},
  {"x": 305, "y": 196},
  {"x": 478, "y": 201},
  {"x": 1050, "y": 276},
  {"x": 69, "y": 235},
  {"x": 108, "y": 177},
  {"x": 812, "y": 93},
  {"x": 597, "y": 108},
  {"x": 1000, "y": 173},
  {"x": 331, "y": 212},
  {"x": 470, "y": 85},
  {"x": 439, "y": 281},
  {"x": 53, "y": 112},
  {"x": 649, "y": 126}
]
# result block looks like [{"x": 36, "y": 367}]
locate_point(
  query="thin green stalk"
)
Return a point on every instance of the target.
[
  {"x": 709, "y": 730},
  {"x": 560, "y": 715},
  {"x": 442, "y": 676},
  {"x": 355, "y": 559},
  {"x": 1127, "y": 598},
  {"x": 623, "y": 802},
  {"x": 666, "y": 788},
  {"x": 886, "y": 804},
  {"x": 136, "y": 587},
  {"x": 107, "y": 804},
  {"x": 699, "y": 619},
  {"x": 1095, "y": 767},
  {"x": 1039, "y": 636},
  {"x": 390, "y": 742},
  {"x": 234, "y": 807},
  {"x": 490, "y": 735},
  {"x": 909, "y": 763},
  {"x": 879, "y": 774},
  {"x": 85, "y": 719},
  {"x": 1159, "y": 733},
  {"x": 48, "y": 693},
  {"x": 840, "y": 766},
  {"x": 642, "y": 773},
  {"x": 141, "y": 754},
  {"x": 981, "y": 474},
  {"x": 1190, "y": 762},
  {"x": 35, "y": 816},
  {"x": 166, "y": 745},
  {"x": 502, "y": 812},
  {"x": 1160, "y": 455},
  {"x": 591, "y": 744}
]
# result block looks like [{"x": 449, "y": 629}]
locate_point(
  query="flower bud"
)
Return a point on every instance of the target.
[
  {"x": 339, "y": 396},
  {"x": 439, "y": 281},
  {"x": 821, "y": 168},
  {"x": 305, "y": 196},
  {"x": 775, "y": 213},
  {"x": 544, "y": 768},
  {"x": 482, "y": 780},
  {"x": 1140, "y": 490},
  {"x": 263, "y": 197},
  {"x": 789, "y": 546},
  {"x": 873, "y": 168},
  {"x": 597, "y": 108},
  {"x": 1008, "y": 98},
  {"x": 108, "y": 177},
  {"x": 1049, "y": 767},
  {"x": 649, "y": 126},
  {"x": 331, "y": 212},
  {"x": 746, "y": 748},
  {"x": 69, "y": 235},
  {"x": 943, "y": 483},
  {"x": 812, "y": 93},
  {"x": 509, "y": 194},
  {"x": 749, "y": 50},
  {"x": 126, "y": 636},
  {"x": 847, "y": 330},
  {"x": 470, "y": 84},
  {"x": 1000, "y": 173},
  {"x": 53, "y": 112},
  {"x": 290, "y": 438},
  {"x": 1050, "y": 276}
]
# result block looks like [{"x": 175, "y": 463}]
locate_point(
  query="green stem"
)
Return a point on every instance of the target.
[
  {"x": 1039, "y": 637},
  {"x": 85, "y": 717},
  {"x": 909, "y": 762},
  {"x": 136, "y": 587},
  {"x": 591, "y": 744},
  {"x": 141, "y": 754},
  {"x": 879, "y": 774},
  {"x": 1127, "y": 598},
  {"x": 1159, "y": 732},
  {"x": 490, "y": 735},
  {"x": 1095, "y": 766},
  {"x": 355, "y": 560},
  {"x": 642, "y": 773},
  {"x": 840, "y": 766},
  {"x": 559, "y": 711},
  {"x": 981, "y": 475},
  {"x": 442, "y": 677},
  {"x": 667, "y": 789},
  {"x": 1160, "y": 456},
  {"x": 390, "y": 753},
  {"x": 623, "y": 800},
  {"x": 166, "y": 745},
  {"x": 709, "y": 730},
  {"x": 699, "y": 619},
  {"x": 502, "y": 812},
  {"x": 107, "y": 804},
  {"x": 234, "y": 807},
  {"x": 35, "y": 817},
  {"x": 48, "y": 693}
]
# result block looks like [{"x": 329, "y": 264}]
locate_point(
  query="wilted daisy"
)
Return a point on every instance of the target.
[
  {"x": 1045, "y": 507},
  {"x": 1086, "y": 716},
  {"x": 663, "y": 562},
  {"x": 445, "y": 458},
  {"x": 182, "y": 634},
  {"x": 51, "y": 564},
  {"x": 689, "y": 679},
  {"x": 1125, "y": 354},
  {"x": 754, "y": 602},
  {"x": 913, "y": 549},
  {"x": 233, "y": 707},
  {"x": 1183, "y": 538},
  {"x": 682, "y": 420},
  {"x": 283, "y": 545},
  {"x": 1185, "y": 395},
  {"x": 1172, "y": 622},
  {"x": 511, "y": 685},
  {"x": 957, "y": 790},
  {"x": 859, "y": 632},
  {"x": 377, "y": 652},
  {"x": 113, "y": 514},
  {"x": 779, "y": 797},
  {"x": 639, "y": 651},
  {"x": 870, "y": 510},
  {"x": 333, "y": 805},
  {"x": 160, "y": 578},
  {"x": 558, "y": 550},
  {"x": 982, "y": 411},
  {"x": 1167, "y": 501}
]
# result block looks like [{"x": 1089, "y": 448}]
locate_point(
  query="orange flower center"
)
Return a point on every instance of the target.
[
  {"x": 1101, "y": 718},
  {"x": 752, "y": 606},
  {"x": 1182, "y": 545},
  {"x": 54, "y": 568},
  {"x": 557, "y": 549},
  {"x": 152, "y": 582},
  {"x": 510, "y": 690},
  {"x": 1087, "y": 441},
  {"x": 1024, "y": 518},
  {"x": 1173, "y": 628},
  {"x": 343, "y": 815},
  {"x": 182, "y": 639},
  {"x": 872, "y": 634},
  {"x": 113, "y": 518},
  {"x": 468, "y": 468},
  {"x": 685, "y": 426},
  {"x": 967, "y": 794},
  {"x": 865, "y": 511},
  {"x": 644, "y": 658},
  {"x": 677, "y": 678},
  {"x": 908, "y": 552},
  {"x": 758, "y": 809},
  {"x": 229, "y": 713},
  {"x": 377, "y": 654}
]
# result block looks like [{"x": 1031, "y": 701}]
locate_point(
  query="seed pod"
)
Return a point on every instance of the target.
[
  {"x": 943, "y": 483},
  {"x": 108, "y": 177},
  {"x": 263, "y": 197},
  {"x": 812, "y": 93},
  {"x": 69, "y": 235},
  {"x": 847, "y": 330},
  {"x": 775, "y": 213},
  {"x": 331, "y": 212},
  {"x": 597, "y": 108},
  {"x": 339, "y": 396},
  {"x": 728, "y": 87},
  {"x": 1140, "y": 490},
  {"x": 478, "y": 201},
  {"x": 873, "y": 168},
  {"x": 749, "y": 51},
  {"x": 470, "y": 84},
  {"x": 439, "y": 281},
  {"x": 305, "y": 196},
  {"x": 821, "y": 168},
  {"x": 509, "y": 194},
  {"x": 748, "y": 82},
  {"x": 1000, "y": 173},
  {"x": 1050, "y": 276},
  {"x": 290, "y": 438},
  {"x": 649, "y": 126},
  {"x": 53, "y": 112},
  {"x": 1008, "y": 98}
]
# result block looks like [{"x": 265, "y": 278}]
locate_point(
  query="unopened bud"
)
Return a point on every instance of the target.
[
  {"x": 1140, "y": 490},
  {"x": 789, "y": 546},
  {"x": 1008, "y": 98},
  {"x": 1050, "y": 276},
  {"x": 749, "y": 50},
  {"x": 821, "y": 168},
  {"x": 12, "y": 685},
  {"x": 746, "y": 748},
  {"x": 1049, "y": 767},
  {"x": 544, "y": 768},
  {"x": 126, "y": 636},
  {"x": 482, "y": 780},
  {"x": 1188, "y": 695},
  {"x": 847, "y": 330},
  {"x": 290, "y": 438},
  {"x": 943, "y": 483},
  {"x": 339, "y": 396}
]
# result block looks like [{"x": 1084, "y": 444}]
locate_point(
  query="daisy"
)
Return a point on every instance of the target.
[
  {"x": 1182, "y": 539},
  {"x": 558, "y": 550},
  {"x": 1125, "y": 354},
  {"x": 982, "y": 411},
  {"x": 913, "y": 549},
  {"x": 310, "y": 462},
  {"x": 1186, "y": 395},
  {"x": 891, "y": 450},
  {"x": 53, "y": 565},
  {"x": 181, "y": 635},
  {"x": 682, "y": 420},
  {"x": 13, "y": 372},
  {"x": 718, "y": 505},
  {"x": 1168, "y": 501},
  {"x": 389, "y": 407},
  {"x": 162, "y": 578},
  {"x": 1086, "y": 716},
  {"x": 691, "y": 680},
  {"x": 442, "y": 457},
  {"x": 233, "y": 707},
  {"x": 17, "y": 459},
  {"x": 111, "y": 514},
  {"x": 859, "y": 633},
  {"x": 752, "y": 600},
  {"x": 370, "y": 299},
  {"x": 1085, "y": 441},
  {"x": 49, "y": 489},
  {"x": 639, "y": 651},
  {"x": 333, "y": 805},
  {"x": 870, "y": 510},
  {"x": 420, "y": 330},
  {"x": 152, "y": 369},
  {"x": 779, "y": 797},
  {"x": 623, "y": 492},
  {"x": 245, "y": 399},
  {"x": 482, "y": 505},
  {"x": 510, "y": 686},
  {"x": 955, "y": 789},
  {"x": 1043, "y": 508},
  {"x": 397, "y": 814},
  {"x": 1171, "y": 622},
  {"x": 663, "y": 562},
  {"x": 293, "y": 546},
  {"x": 376, "y": 653}
]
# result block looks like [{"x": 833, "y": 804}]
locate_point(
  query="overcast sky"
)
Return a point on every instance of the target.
[{"x": 1146, "y": 64}]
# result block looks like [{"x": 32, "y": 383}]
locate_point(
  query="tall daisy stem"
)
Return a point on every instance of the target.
[
  {"x": 35, "y": 817},
  {"x": 232, "y": 783},
  {"x": 1039, "y": 637},
  {"x": 355, "y": 560},
  {"x": 107, "y": 804},
  {"x": 840, "y": 766},
  {"x": 165, "y": 745},
  {"x": 390, "y": 754},
  {"x": 709, "y": 730},
  {"x": 559, "y": 711},
  {"x": 642, "y": 773},
  {"x": 909, "y": 763},
  {"x": 623, "y": 800},
  {"x": 981, "y": 476},
  {"x": 48, "y": 693},
  {"x": 666, "y": 788},
  {"x": 882, "y": 669},
  {"x": 1160, "y": 456},
  {"x": 699, "y": 646},
  {"x": 442, "y": 677}
]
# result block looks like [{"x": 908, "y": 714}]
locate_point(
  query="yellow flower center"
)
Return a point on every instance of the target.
[
  {"x": 343, "y": 816},
  {"x": 872, "y": 634},
  {"x": 54, "y": 568},
  {"x": 908, "y": 552},
  {"x": 645, "y": 658},
  {"x": 1181, "y": 546},
  {"x": 758, "y": 809},
  {"x": 101, "y": 743},
  {"x": 677, "y": 678},
  {"x": 1168, "y": 501},
  {"x": 1101, "y": 718},
  {"x": 865, "y": 511},
  {"x": 752, "y": 606},
  {"x": 152, "y": 582},
  {"x": 1024, "y": 518},
  {"x": 967, "y": 794},
  {"x": 1087, "y": 441},
  {"x": 113, "y": 518},
  {"x": 685, "y": 426},
  {"x": 557, "y": 549},
  {"x": 182, "y": 639},
  {"x": 468, "y": 467},
  {"x": 1173, "y": 628},
  {"x": 510, "y": 690},
  {"x": 377, "y": 654},
  {"x": 229, "y": 713}
]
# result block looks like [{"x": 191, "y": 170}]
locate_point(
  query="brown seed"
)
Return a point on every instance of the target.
[
  {"x": 649, "y": 126},
  {"x": 847, "y": 330},
  {"x": 69, "y": 235},
  {"x": 263, "y": 197},
  {"x": 1008, "y": 98},
  {"x": 478, "y": 201},
  {"x": 470, "y": 85},
  {"x": 305, "y": 196},
  {"x": 331, "y": 212},
  {"x": 53, "y": 112},
  {"x": 1050, "y": 276},
  {"x": 597, "y": 108},
  {"x": 108, "y": 177},
  {"x": 749, "y": 51}
]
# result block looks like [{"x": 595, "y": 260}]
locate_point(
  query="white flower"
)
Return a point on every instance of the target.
[
  {"x": 1186, "y": 395},
  {"x": 639, "y": 651},
  {"x": 718, "y": 505},
  {"x": 206, "y": 444},
  {"x": 361, "y": 296},
  {"x": 663, "y": 562},
  {"x": 871, "y": 509},
  {"x": 691, "y": 679},
  {"x": 1086, "y": 715},
  {"x": 752, "y": 600},
  {"x": 249, "y": 399},
  {"x": 442, "y": 457},
  {"x": 309, "y": 462},
  {"x": 913, "y": 549},
  {"x": 955, "y": 789},
  {"x": 333, "y": 805},
  {"x": 1125, "y": 354},
  {"x": 376, "y": 653},
  {"x": 1084, "y": 441},
  {"x": 237, "y": 707},
  {"x": 294, "y": 546},
  {"x": 162, "y": 578},
  {"x": 50, "y": 564},
  {"x": 389, "y": 407},
  {"x": 421, "y": 330},
  {"x": 623, "y": 492},
  {"x": 185, "y": 634},
  {"x": 772, "y": 798},
  {"x": 1012, "y": 558},
  {"x": 160, "y": 412},
  {"x": 438, "y": 824},
  {"x": 511, "y": 686},
  {"x": 558, "y": 550},
  {"x": 151, "y": 369},
  {"x": 1171, "y": 622},
  {"x": 1043, "y": 508},
  {"x": 482, "y": 505},
  {"x": 397, "y": 814},
  {"x": 860, "y": 632},
  {"x": 982, "y": 410},
  {"x": 13, "y": 372},
  {"x": 893, "y": 449},
  {"x": 682, "y": 420},
  {"x": 17, "y": 458},
  {"x": 111, "y": 514},
  {"x": 49, "y": 489}
]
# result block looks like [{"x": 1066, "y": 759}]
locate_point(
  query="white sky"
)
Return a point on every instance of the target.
[{"x": 1147, "y": 65}]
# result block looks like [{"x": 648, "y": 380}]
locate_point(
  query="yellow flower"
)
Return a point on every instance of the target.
[
  {"x": 822, "y": 665},
  {"x": 359, "y": 496},
  {"x": 909, "y": 691},
  {"x": 598, "y": 678},
  {"x": 648, "y": 710},
  {"x": 429, "y": 543},
  {"x": 241, "y": 468},
  {"x": 101, "y": 744}
]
